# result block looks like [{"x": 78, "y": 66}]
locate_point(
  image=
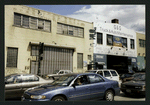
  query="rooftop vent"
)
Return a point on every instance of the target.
[{"x": 115, "y": 21}]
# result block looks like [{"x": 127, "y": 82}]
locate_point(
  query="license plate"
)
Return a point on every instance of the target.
[{"x": 129, "y": 91}]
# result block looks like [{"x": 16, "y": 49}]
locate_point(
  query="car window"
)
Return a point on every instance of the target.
[
  {"x": 113, "y": 73},
  {"x": 61, "y": 72},
  {"x": 13, "y": 79},
  {"x": 107, "y": 74},
  {"x": 95, "y": 78},
  {"x": 66, "y": 72},
  {"x": 100, "y": 72},
  {"x": 29, "y": 78},
  {"x": 81, "y": 80}
]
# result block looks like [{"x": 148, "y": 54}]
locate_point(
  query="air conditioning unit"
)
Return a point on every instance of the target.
[{"x": 33, "y": 58}]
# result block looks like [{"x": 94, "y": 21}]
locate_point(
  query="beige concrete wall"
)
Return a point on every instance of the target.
[
  {"x": 140, "y": 50},
  {"x": 20, "y": 37}
]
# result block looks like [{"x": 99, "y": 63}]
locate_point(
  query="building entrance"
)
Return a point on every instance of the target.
[{"x": 118, "y": 63}]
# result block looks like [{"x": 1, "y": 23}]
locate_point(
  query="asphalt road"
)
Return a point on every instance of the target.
[{"x": 123, "y": 97}]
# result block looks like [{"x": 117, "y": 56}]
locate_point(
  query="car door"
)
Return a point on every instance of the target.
[
  {"x": 107, "y": 74},
  {"x": 115, "y": 75},
  {"x": 13, "y": 87},
  {"x": 28, "y": 81},
  {"x": 97, "y": 86},
  {"x": 80, "y": 91}
]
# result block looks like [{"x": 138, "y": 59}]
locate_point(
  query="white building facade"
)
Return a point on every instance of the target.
[{"x": 114, "y": 47}]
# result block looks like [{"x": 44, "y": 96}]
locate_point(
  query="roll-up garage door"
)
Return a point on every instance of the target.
[{"x": 53, "y": 59}]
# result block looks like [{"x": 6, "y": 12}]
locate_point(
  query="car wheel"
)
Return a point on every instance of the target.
[
  {"x": 109, "y": 95},
  {"x": 58, "y": 98}
]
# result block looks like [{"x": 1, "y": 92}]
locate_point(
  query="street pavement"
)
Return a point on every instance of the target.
[{"x": 123, "y": 97}]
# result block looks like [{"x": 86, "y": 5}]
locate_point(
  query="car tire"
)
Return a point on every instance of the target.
[
  {"x": 58, "y": 98},
  {"x": 109, "y": 95}
]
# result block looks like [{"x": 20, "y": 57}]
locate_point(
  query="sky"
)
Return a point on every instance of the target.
[{"x": 130, "y": 16}]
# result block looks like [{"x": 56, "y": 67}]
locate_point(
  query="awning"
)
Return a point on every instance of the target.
[{"x": 53, "y": 45}]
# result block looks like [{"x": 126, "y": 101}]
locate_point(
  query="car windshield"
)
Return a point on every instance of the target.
[
  {"x": 140, "y": 77},
  {"x": 56, "y": 71},
  {"x": 91, "y": 71},
  {"x": 63, "y": 80}
]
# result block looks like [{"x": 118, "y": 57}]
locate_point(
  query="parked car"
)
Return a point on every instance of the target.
[
  {"x": 125, "y": 71},
  {"x": 124, "y": 77},
  {"x": 16, "y": 84},
  {"x": 58, "y": 73},
  {"x": 135, "y": 86},
  {"x": 131, "y": 77},
  {"x": 107, "y": 73},
  {"x": 85, "y": 86}
]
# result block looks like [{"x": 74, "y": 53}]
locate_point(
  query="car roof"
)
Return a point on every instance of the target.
[
  {"x": 102, "y": 69},
  {"x": 19, "y": 74}
]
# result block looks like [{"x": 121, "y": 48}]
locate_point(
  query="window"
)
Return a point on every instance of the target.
[
  {"x": 70, "y": 30},
  {"x": 25, "y": 21},
  {"x": 107, "y": 73},
  {"x": 81, "y": 80},
  {"x": 113, "y": 73},
  {"x": 109, "y": 40},
  {"x": 141, "y": 43},
  {"x": 40, "y": 24},
  {"x": 124, "y": 42},
  {"x": 95, "y": 79},
  {"x": 31, "y": 22},
  {"x": 99, "y": 38},
  {"x": 132, "y": 43},
  {"x": 12, "y": 56},
  {"x": 100, "y": 72},
  {"x": 29, "y": 78},
  {"x": 17, "y": 19},
  {"x": 13, "y": 79},
  {"x": 79, "y": 60}
]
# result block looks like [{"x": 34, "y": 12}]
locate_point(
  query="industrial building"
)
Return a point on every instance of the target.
[
  {"x": 64, "y": 41},
  {"x": 114, "y": 46}
]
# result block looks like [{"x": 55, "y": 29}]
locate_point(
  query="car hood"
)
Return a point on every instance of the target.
[
  {"x": 42, "y": 89},
  {"x": 134, "y": 83}
]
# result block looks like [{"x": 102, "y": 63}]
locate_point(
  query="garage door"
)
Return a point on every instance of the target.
[{"x": 53, "y": 59}]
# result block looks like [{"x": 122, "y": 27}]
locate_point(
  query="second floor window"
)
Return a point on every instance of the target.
[
  {"x": 31, "y": 22},
  {"x": 124, "y": 42},
  {"x": 132, "y": 44},
  {"x": 99, "y": 38},
  {"x": 70, "y": 30},
  {"x": 109, "y": 40},
  {"x": 141, "y": 43}
]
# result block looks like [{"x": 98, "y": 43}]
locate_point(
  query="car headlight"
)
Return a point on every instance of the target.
[{"x": 38, "y": 97}]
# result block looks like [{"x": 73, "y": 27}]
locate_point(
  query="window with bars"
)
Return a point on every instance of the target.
[
  {"x": 12, "y": 56},
  {"x": 141, "y": 43},
  {"x": 70, "y": 30},
  {"x": 80, "y": 60},
  {"x": 132, "y": 43},
  {"x": 32, "y": 22},
  {"x": 99, "y": 38}
]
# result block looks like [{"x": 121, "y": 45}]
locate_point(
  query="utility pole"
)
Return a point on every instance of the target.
[{"x": 41, "y": 48}]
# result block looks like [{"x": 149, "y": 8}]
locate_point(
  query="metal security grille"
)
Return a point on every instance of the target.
[
  {"x": 12, "y": 55},
  {"x": 53, "y": 59}
]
